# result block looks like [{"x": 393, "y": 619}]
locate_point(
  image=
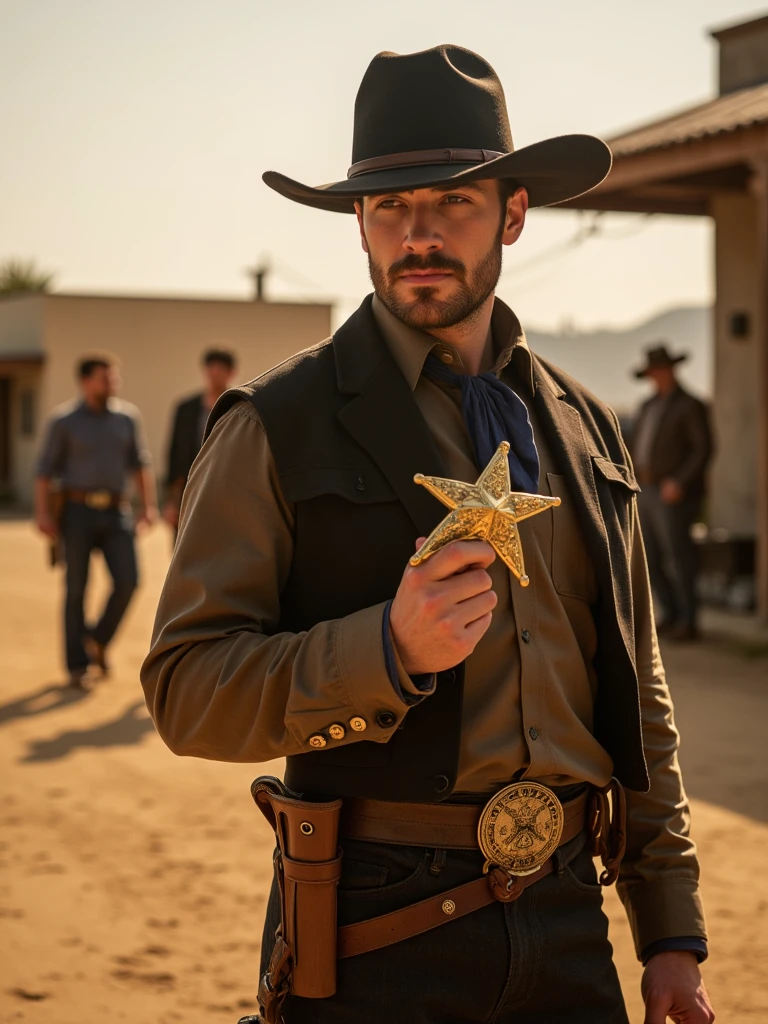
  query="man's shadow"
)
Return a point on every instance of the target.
[
  {"x": 129, "y": 728},
  {"x": 50, "y": 698}
]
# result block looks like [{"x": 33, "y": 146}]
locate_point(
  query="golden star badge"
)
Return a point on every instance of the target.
[{"x": 487, "y": 510}]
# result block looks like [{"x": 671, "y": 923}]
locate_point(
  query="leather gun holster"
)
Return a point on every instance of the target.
[{"x": 307, "y": 868}]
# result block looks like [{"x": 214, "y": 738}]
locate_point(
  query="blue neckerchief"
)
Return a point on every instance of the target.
[{"x": 493, "y": 413}]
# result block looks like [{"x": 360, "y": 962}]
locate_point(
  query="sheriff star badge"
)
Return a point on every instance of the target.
[{"x": 487, "y": 510}]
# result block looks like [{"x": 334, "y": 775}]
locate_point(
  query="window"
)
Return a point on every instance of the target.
[{"x": 27, "y": 413}]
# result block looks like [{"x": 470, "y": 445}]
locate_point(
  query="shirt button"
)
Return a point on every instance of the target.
[
  {"x": 386, "y": 719},
  {"x": 526, "y": 635},
  {"x": 449, "y": 676},
  {"x": 441, "y": 783},
  {"x": 317, "y": 741},
  {"x": 358, "y": 724},
  {"x": 447, "y": 357},
  {"x": 336, "y": 731},
  {"x": 533, "y": 733}
]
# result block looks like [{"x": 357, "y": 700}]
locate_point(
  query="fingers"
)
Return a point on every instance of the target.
[
  {"x": 468, "y": 612},
  {"x": 457, "y": 557},
  {"x": 465, "y": 585}
]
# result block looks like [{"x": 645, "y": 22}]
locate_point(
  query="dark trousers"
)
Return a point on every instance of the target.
[
  {"x": 544, "y": 959},
  {"x": 85, "y": 530},
  {"x": 671, "y": 554}
]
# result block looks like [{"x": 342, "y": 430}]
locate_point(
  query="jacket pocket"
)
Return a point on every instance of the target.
[{"x": 616, "y": 473}]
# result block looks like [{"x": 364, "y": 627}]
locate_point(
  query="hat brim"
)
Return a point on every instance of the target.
[
  {"x": 643, "y": 371},
  {"x": 551, "y": 171}
]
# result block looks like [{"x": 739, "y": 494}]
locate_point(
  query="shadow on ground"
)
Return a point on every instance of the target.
[
  {"x": 128, "y": 729},
  {"x": 721, "y": 707},
  {"x": 50, "y": 698}
]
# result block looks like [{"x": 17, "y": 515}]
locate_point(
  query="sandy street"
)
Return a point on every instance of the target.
[{"x": 132, "y": 882}]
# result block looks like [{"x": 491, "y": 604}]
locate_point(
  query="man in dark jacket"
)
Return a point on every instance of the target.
[
  {"x": 671, "y": 448},
  {"x": 433, "y": 697},
  {"x": 189, "y": 421}
]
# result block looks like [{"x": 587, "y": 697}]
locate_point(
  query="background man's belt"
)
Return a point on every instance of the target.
[{"x": 94, "y": 499}]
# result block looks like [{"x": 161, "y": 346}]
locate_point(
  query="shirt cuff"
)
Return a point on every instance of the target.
[
  {"x": 682, "y": 944},
  {"x": 663, "y": 910},
  {"x": 410, "y": 689}
]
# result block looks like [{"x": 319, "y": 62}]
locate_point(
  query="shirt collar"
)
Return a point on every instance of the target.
[{"x": 410, "y": 347}]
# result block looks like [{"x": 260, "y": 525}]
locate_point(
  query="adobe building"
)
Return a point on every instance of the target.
[
  {"x": 711, "y": 160},
  {"x": 159, "y": 340}
]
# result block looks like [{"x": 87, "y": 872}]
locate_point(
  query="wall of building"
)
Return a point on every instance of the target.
[
  {"x": 159, "y": 342},
  {"x": 21, "y": 325},
  {"x": 733, "y": 501}
]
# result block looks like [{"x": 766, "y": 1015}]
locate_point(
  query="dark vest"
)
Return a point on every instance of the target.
[{"x": 347, "y": 437}]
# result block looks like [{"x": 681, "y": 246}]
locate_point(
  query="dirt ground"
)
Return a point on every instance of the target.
[{"x": 132, "y": 882}]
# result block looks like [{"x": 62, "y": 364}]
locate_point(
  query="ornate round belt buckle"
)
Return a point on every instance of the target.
[{"x": 520, "y": 828}]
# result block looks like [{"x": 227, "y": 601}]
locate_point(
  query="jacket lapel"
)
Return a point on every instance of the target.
[
  {"x": 564, "y": 428},
  {"x": 383, "y": 417}
]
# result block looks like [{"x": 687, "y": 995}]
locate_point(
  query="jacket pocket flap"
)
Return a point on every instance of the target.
[
  {"x": 616, "y": 472},
  {"x": 362, "y": 485}
]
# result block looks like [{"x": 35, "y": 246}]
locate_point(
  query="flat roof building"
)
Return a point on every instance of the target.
[{"x": 158, "y": 340}]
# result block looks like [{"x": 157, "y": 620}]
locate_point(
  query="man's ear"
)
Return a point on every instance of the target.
[
  {"x": 514, "y": 221},
  {"x": 359, "y": 215}
]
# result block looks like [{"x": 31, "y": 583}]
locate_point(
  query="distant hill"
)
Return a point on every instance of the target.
[{"x": 604, "y": 359}]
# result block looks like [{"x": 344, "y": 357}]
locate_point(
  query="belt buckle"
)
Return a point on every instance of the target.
[
  {"x": 98, "y": 499},
  {"x": 520, "y": 828}
]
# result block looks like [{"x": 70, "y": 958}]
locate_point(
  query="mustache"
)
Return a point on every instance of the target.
[{"x": 434, "y": 261}]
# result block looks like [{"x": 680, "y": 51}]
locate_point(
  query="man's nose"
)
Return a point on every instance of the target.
[{"x": 421, "y": 236}]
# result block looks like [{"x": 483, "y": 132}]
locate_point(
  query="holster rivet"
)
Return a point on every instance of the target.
[
  {"x": 307, "y": 828},
  {"x": 448, "y": 907}
]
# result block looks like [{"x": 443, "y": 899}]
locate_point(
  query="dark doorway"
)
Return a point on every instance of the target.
[{"x": 5, "y": 437}]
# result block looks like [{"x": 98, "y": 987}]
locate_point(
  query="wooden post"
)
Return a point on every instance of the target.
[{"x": 760, "y": 184}]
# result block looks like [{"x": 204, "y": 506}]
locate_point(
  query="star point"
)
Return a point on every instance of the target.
[{"x": 487, "y": 510}]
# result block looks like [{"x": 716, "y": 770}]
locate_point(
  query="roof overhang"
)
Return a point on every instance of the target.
[{"x": 677, "y": 165}]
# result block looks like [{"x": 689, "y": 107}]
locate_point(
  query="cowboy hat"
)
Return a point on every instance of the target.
[
  {"x": 437, "y": 117},
  {"x": 657, "y": 357}
]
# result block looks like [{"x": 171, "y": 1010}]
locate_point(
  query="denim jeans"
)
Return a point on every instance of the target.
[
  {"x": 85, "y": 530},
  {"x": 544, "y": 959},
  {"x": 671, "y": 554}
]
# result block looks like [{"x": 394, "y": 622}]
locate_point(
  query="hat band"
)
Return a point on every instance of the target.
[{"x": 423, "y": 156}]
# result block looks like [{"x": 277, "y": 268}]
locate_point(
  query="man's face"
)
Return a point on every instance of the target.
[
  {"x": 101, "y": 384},
  {"x": 434, "y": 254},
  {"x": 217, "y": 376},
  {"x": 663, "y": 377}
]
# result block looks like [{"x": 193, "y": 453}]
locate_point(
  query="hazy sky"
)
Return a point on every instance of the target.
[{"x": 133, "y": 136}]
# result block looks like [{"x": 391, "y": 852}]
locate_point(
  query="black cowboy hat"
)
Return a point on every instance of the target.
[
  {"x": 657, "y": 357},
  {"x": 438, "y": 116}
]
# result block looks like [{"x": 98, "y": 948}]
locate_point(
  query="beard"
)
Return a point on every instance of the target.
[{"x": 426, "y": 312}]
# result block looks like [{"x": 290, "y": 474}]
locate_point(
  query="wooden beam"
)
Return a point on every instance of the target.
[
  {"x": 745, "y": 145},
  {"x": 630, "y": 202}
]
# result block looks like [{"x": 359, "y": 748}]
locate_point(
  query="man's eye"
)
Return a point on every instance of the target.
[
  {"x": 389, "y": 204},
  {"x": 455, "y": 199}
]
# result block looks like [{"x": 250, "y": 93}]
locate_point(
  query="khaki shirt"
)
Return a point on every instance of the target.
[{"x": 222, "y": 683}]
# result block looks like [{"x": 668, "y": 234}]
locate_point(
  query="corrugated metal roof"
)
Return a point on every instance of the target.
[{"x": 725, "y": 114}]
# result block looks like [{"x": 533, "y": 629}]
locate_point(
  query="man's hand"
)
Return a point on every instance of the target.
[
  {"x": 46, "y": 525},
  {"x": 443, "y": 607},
  {"x": 672, "y": 987},
  {"x": 171, "y": 513},
  {"x": 670, "y": 491},
  {"x": 147, "y": 517}
]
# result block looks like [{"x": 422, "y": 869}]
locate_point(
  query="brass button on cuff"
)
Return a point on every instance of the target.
[
  {"x": 448, "y": 907},
  {"x": 317, "y": 741},
  {"x": 336, "y": 731},
  {"x": 358, "y": 724}
]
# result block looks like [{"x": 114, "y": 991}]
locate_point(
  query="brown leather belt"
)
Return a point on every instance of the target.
[
  {"x": 94, "y": 499},
  {"x": 452, "y": 826}
]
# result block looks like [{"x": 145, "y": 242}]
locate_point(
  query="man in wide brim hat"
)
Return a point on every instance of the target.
[{"x": 457, "y": 697}]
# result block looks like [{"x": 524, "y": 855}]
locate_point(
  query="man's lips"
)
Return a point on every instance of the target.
[{"x": 425, "y": 277}]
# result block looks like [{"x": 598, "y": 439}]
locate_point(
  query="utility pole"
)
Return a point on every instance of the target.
[{"x": 258, "y": 274}]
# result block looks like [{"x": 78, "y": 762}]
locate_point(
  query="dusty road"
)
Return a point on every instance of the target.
[{"x": 132, "y": 883}]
